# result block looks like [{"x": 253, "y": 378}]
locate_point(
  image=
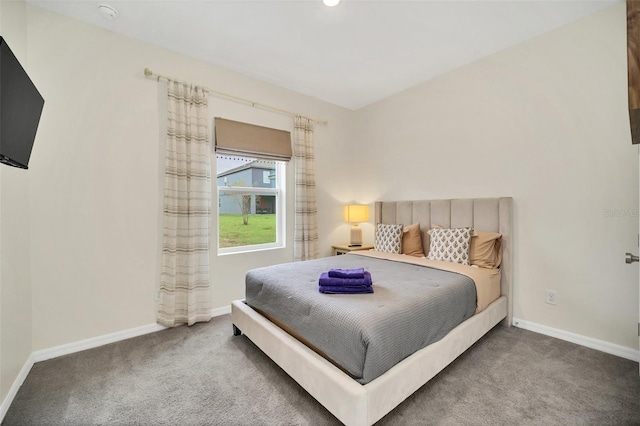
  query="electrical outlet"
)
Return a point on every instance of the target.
[{"x": 551, "y": 297}]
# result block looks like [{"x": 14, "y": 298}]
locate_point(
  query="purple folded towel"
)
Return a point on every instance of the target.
[
  {"x": 346, "y": 273},
  {"x": 326, "y": 281},
  {"x": 361, "y": 289}
]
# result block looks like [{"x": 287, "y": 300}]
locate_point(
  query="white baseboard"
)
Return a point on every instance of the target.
[
  {"x": 221, "y": 311},
  {"x": 94, "y": 342},
  {"x": 105, "y": 339},
  {"x": 589, "y": 342},
  {"x": 69, "y": 348},
  {"x": 22, "y": 375}
]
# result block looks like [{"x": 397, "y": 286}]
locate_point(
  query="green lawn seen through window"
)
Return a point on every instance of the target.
[{"x": 261, "y": 229}]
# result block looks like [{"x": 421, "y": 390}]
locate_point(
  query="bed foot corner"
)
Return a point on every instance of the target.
[{"x": 236, "y": 330}]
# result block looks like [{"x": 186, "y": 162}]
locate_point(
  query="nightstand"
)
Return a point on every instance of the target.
[{"x": 344, "y": 248}]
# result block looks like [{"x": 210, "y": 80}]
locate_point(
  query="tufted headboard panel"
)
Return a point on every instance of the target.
[{"x": 482, "y": 214}]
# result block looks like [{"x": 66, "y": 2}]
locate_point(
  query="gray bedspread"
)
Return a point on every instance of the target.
[{"x": 366, "y": 334}]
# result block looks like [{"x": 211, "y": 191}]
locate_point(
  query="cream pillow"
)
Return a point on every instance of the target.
[
  {"x": 485, "y": 249},
  {"x": 450, "y": 244},
  {"x": 412, "y": 241}
]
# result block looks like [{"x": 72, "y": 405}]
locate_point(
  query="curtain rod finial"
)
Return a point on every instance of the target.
[{"x": 147, "y": 72}]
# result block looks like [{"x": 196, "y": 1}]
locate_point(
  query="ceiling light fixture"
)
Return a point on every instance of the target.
[
  {"x": 109, "y": 12},
  {"x": 330, "y": 3}
]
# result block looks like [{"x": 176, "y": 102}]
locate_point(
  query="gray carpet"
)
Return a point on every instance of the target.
[{"x": 202, "y": 375}]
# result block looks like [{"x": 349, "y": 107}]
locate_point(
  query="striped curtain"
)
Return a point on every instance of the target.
[
  {"x": 305, "y": 245},
  {"x": 184, "y": 282}
]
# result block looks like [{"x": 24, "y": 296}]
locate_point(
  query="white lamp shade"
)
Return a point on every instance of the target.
[{"x": 356, "y": 213}]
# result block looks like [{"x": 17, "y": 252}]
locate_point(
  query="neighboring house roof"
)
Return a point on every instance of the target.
[{"x": 251, "y": 165}]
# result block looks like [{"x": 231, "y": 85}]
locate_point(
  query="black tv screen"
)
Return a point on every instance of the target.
[{"x": 20, "y": 110}]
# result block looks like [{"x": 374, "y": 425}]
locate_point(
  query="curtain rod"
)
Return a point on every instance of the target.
[{"x": 149, "y": 73}]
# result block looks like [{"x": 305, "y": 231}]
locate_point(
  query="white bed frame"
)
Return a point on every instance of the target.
[{"x": 362, "y": 405}]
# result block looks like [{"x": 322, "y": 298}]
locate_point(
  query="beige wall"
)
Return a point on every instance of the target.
[
  {"x": 15, "y": 280},
  {"x": 95, "y": 191},
  {"x": 545, "y": 122}
]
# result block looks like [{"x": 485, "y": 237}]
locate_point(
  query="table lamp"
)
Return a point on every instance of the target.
[{"x": 354, "y": 214}]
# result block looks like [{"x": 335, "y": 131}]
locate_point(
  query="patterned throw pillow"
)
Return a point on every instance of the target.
[
  {"x": 388, "y": 238},
  {"x": 450, "y": 244}
]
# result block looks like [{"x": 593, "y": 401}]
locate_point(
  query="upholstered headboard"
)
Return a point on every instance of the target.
[{"x": 482, "y": 214}]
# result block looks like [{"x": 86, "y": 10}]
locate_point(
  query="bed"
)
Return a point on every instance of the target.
[{"x": 366, "y": 399}]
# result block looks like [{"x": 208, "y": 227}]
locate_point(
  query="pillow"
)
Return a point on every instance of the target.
[
  {"x": 412, "y": 241},
  {"x": 427, "y": 239},
  {"x": 485, "y": 249},
  {"x": 450, "y": 244},
  {"x": 388, "y": 238}
]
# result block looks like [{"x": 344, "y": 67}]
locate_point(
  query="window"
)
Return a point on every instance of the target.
[
  {"x": 251, "y": 203},
  {"x": 250, "y": 185}
]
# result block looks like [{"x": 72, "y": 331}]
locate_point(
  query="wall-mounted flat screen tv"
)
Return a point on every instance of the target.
[{"x": 20, "y": 109}]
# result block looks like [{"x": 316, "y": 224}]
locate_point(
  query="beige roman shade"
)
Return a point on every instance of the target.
[{"x": 237, "y": 138}]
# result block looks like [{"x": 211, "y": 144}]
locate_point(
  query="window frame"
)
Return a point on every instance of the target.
[{"x": 279, "y": 192}]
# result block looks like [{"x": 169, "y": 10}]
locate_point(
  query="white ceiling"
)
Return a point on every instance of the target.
[{"x": 351, "y": 55}]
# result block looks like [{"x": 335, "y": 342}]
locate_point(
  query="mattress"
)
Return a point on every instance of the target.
[
  {"x": 364, "y": 334},
  {"x": 488, "y": 281}
]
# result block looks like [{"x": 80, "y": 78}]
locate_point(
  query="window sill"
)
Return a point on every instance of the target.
[{"x": 249, "y": 249}]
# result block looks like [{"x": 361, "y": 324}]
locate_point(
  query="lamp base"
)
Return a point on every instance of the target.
[{"x": 356, "y": 236}]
